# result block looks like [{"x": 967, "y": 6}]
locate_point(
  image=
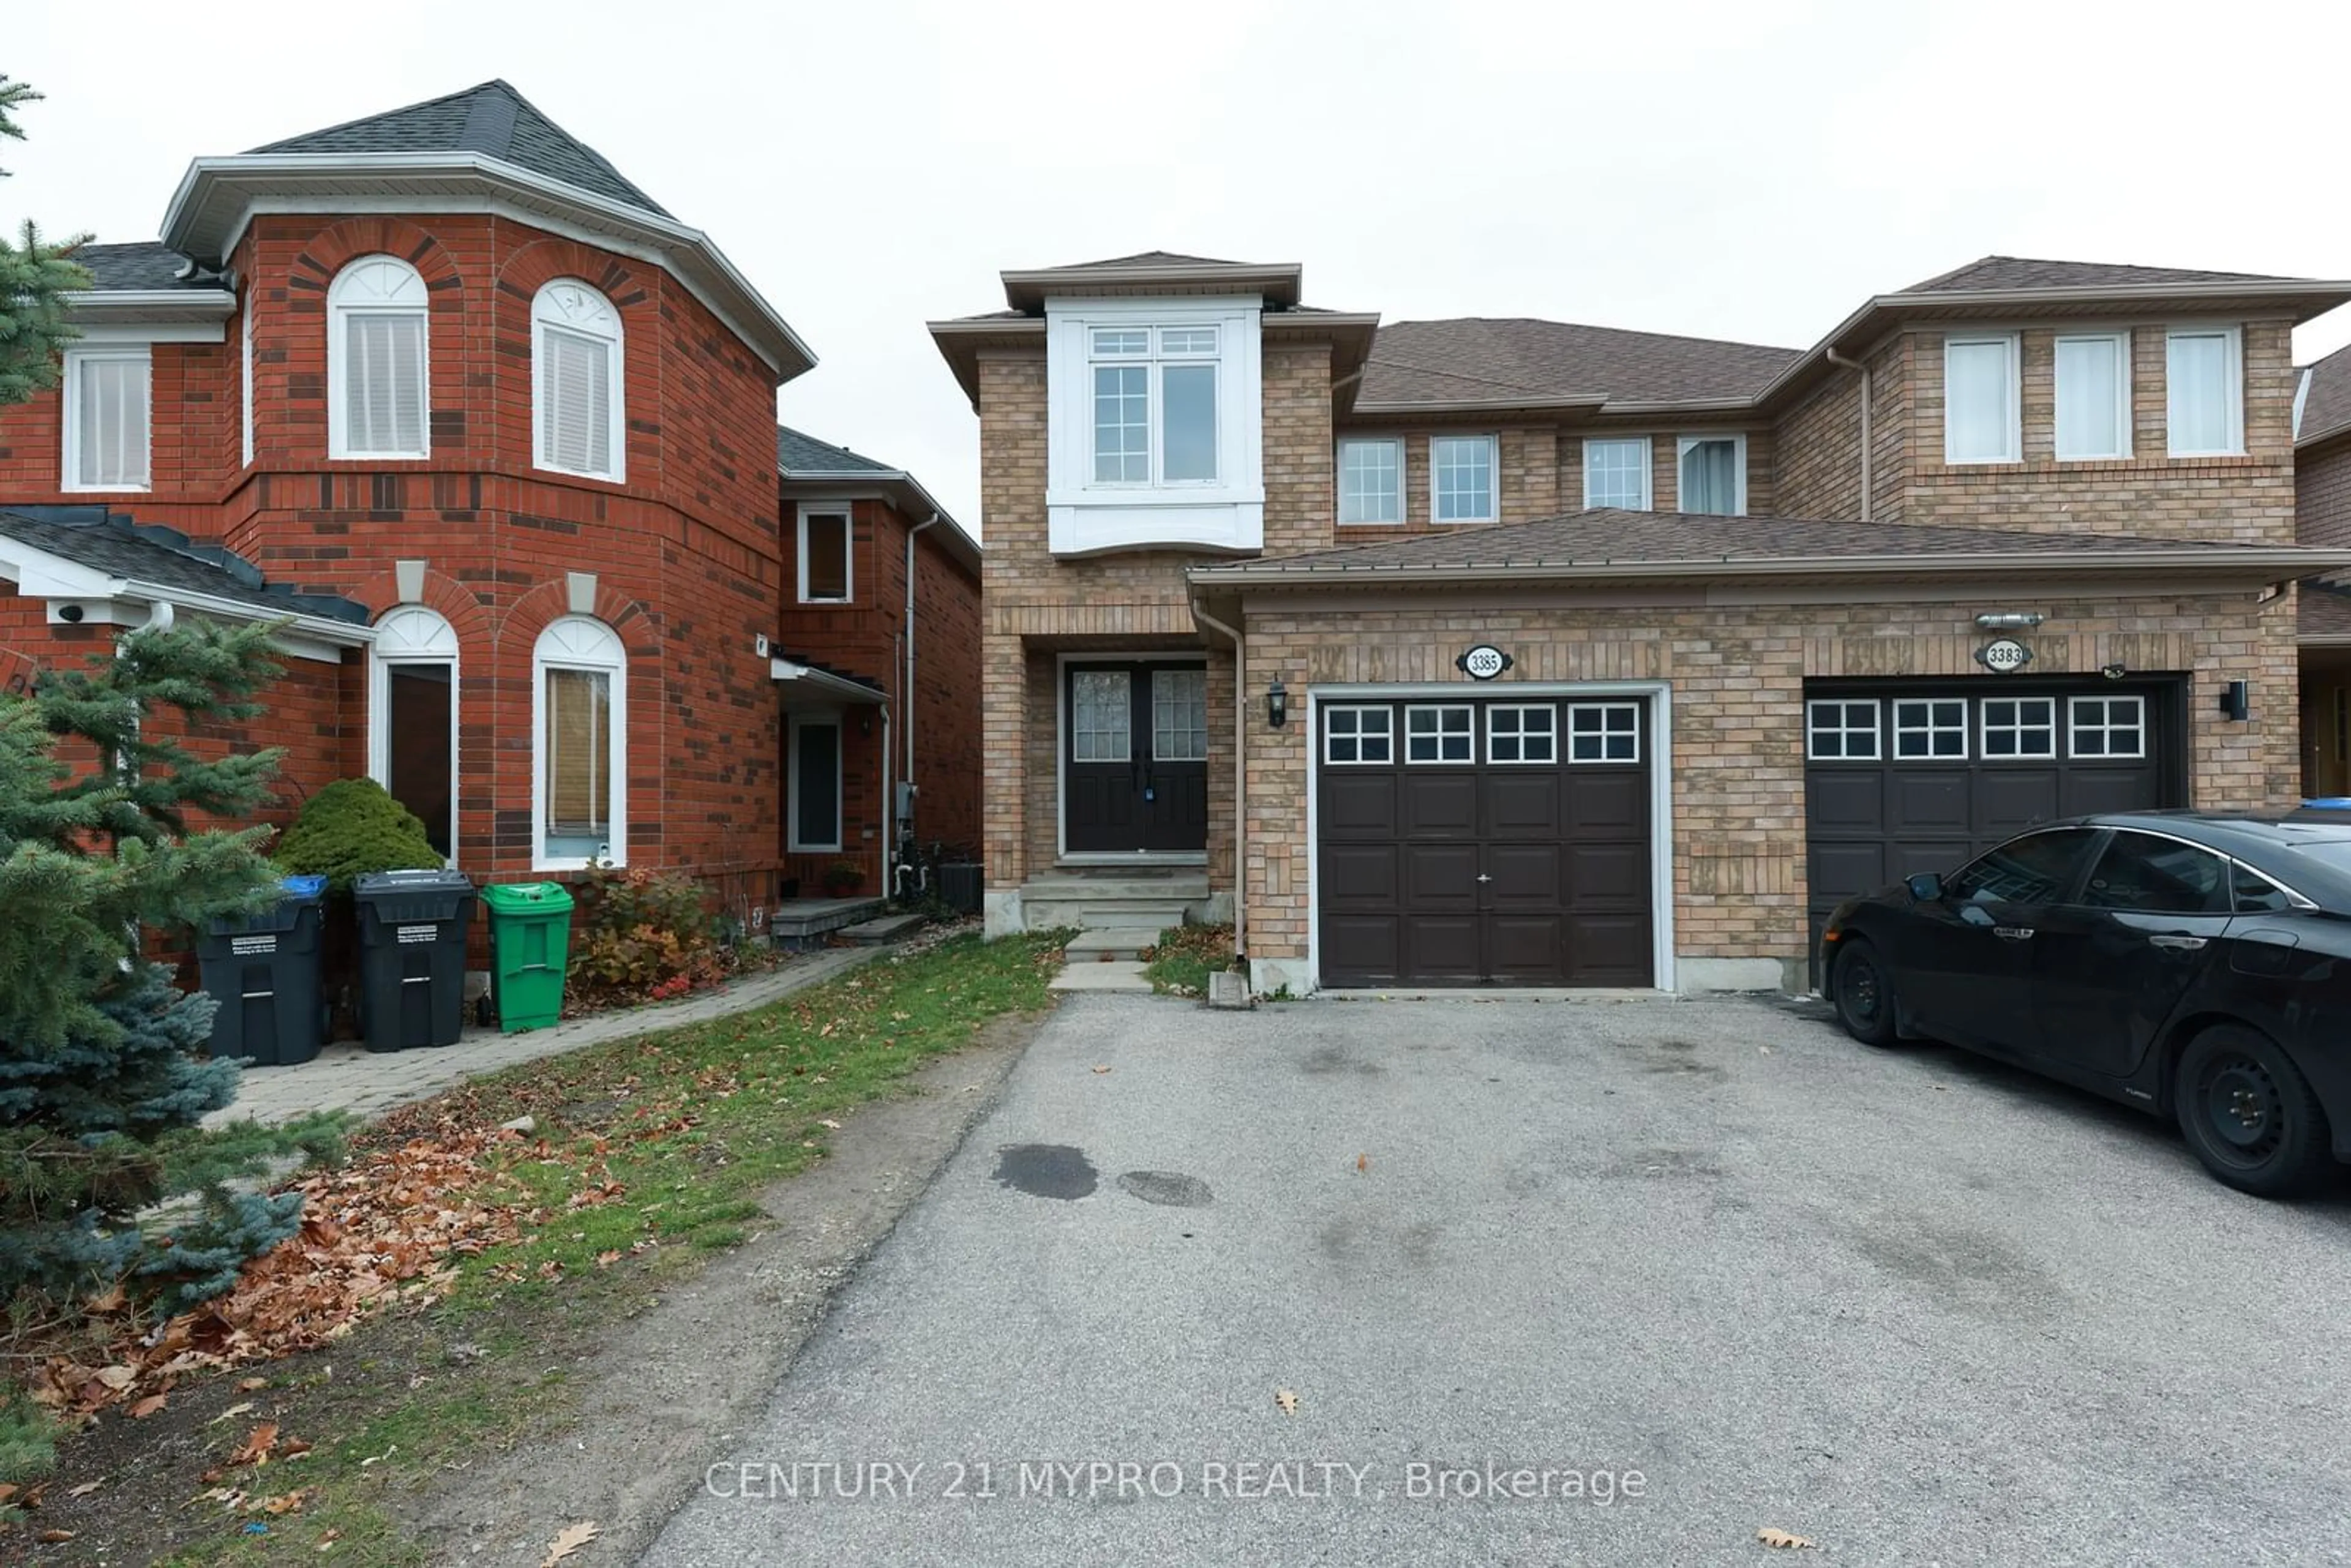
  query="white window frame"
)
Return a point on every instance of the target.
[
  {"x": 2121, "y": 342},
  {"x": 2014, "y": 414},
  {"x": 846, "y": 512},
  {"x": 1895, "y": 729},
  {"x": 580, "y": 642},
  {"x": 1648, "y": 470},
  {"x": 1523, "y": 735},
  {"x": 1189, "y": 673},
  {"x": 1154, "y": 361},
  {"x": 1844, "y": 730},
  {"x": 412, "y": 634},
  {"x": 1385, "y": 735},
  {"x": 573, "y": 306},
  {"x": 2106, "y": 727},
  {"x": 2233, "y": 376},
  {"x": 1493, "y": 513},
  {"x": 823, "y": 718},
  {"x": 1607, "y": 735},
  {"x": 341, "y": 307},
  {"x": 1339, "y": 480},
  {"x": 1985, "y": 729},
  {"x": 1684, "y": 444},
  {"x": 1467, "y": 735},
  {"x": 70, "y": 414}
]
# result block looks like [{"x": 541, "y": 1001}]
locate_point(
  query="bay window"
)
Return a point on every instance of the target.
[{"x": 1155, "y": 402}]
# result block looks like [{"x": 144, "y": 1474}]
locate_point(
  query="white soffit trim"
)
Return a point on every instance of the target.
[
  {"x": 824, "y": 682},
  {"x": 218, "y": 196}
]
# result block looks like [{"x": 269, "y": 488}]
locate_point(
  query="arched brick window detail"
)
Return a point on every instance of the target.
[
  {"x": 580, "y": 753},
  {"x": 577, "y": 385},
  {"x": 378, "y": 395},
  {"x": 412, "y": 717}
]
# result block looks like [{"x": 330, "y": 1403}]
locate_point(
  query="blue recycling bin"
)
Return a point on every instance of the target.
[{"x": 262, "y": 971}]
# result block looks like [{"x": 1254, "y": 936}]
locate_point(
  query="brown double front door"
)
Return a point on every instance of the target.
[
  {"x": 1135, "y": 757},
  {"x": 1496, "y": 840}
]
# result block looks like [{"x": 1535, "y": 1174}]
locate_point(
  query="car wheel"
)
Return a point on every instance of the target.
[
  {"x": 1862, "y": 988},
  {"x": 2249, "y": 1116}
]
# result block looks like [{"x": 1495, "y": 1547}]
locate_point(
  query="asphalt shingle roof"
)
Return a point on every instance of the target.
[
  {"x": 493, "y": 120},
  {"x": 1160, "y": 258},
  {"x": 1609, "y": 536},
  {"x": 2025, "y": 272},
  {"x": 2323, "y": 610},
  {"x": 119, "y": 547},
  {"x": 140, "y": 265},
  {"x": 799, "y": 453},
  {"x": 1436, "y": 361},
  {"x": 2326, "y": 407}
]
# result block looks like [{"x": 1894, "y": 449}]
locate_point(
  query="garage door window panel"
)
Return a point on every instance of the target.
[
  {"x": 1359, "y": 735},
  {"x": 2016, "y": 727},
  {"x": 1933, "y": 727},
  {"x": 1837, "y": 730},
  {"x": 2106, "y": 726},
  {"x": 1439, "y": 735},
  {"x": 1522, "y": 735},
  {"x": 2149, "y": 874},
  {"x": 1604, "y": 732}
]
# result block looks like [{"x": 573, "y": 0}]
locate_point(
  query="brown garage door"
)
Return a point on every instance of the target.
[
  {"x": 1909, "y": 776},
  {"x": 1503, "y": 840}
]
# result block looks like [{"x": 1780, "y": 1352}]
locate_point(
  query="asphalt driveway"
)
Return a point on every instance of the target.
[{"x": 1707, "y": 1259}]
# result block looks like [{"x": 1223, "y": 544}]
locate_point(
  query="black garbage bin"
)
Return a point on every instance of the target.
[
  {"x": 263, "y": 970},
  {"x": 413, "y": 926}
]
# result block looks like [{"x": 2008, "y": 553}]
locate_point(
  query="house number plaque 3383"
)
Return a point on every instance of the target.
[{"x": 2004, "y": 657}]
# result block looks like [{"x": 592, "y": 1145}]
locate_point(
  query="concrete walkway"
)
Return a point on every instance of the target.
[{"x": 348, "y": 1077}]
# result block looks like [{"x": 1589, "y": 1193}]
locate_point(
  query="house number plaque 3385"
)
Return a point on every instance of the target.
[{"x": 1482, "y": 663}]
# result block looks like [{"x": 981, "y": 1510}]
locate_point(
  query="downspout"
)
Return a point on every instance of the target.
[
  {"x": 1240, "y": 781},
  {"x": 906, "y": 694},
  {"x": 1866, "y": 487}
]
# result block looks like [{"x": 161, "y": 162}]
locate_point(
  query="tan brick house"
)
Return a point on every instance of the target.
[{"x": 1519, "y": 653}]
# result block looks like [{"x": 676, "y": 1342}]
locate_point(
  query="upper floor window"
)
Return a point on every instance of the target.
[
  {"x": 107, "y": 405},
  {"x": 2204, "y": 378},
  {"x": 1462, "y": 482},
  {"x": 377, "y": 397},
  {"x": 1616, "y": 474},
  {"x": 1371, "y": 482},
  {"x": 2094, "y": 396},
  {"x": 576, "y": 380},
  {"x": 825, "y": 573},
  {"x": 1980, "y": 400},
  {"x": 1154, "y": 393},
  {"x": 1713, "y": 475}
]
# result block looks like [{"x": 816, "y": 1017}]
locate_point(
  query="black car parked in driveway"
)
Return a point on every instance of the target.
[{"x": 2194, "y": 966}]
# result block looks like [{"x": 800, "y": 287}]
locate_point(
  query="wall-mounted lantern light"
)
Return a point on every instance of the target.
[
  {"x": 2237, "y": 700},
  {"x": 1277, "y": 704}
]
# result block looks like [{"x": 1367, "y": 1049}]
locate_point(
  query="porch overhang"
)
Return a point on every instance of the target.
[{"x": 806, "y": 685}]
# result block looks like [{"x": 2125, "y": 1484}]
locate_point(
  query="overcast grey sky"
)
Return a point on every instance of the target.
[{"x": 1748, "y": 170}]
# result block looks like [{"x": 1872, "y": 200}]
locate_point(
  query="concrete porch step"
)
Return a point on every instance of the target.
[
  {"x": 875, "y": 932},
  {"x": 1063, "y": 885},
  {"x": 1102, "y": 913},
  {"x": 1113, "y": 942},
  {"x": 1121, "y": 975}
]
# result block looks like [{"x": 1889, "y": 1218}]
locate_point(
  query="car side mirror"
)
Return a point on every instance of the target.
[{"x": 1925, "y": 887}]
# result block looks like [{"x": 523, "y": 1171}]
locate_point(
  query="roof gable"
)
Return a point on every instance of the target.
[
  {"x": 492, "y": 120},
  {"x": 798, "y": 453}
]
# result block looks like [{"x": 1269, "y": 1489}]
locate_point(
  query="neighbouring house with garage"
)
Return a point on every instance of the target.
[
  {"x": 1487, "y": 652},
  {"x": 498, "y": 433},
  {"x": 2322, "y": 451}
]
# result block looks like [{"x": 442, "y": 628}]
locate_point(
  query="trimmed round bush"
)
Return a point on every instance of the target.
[{"x": 351, "y": 827}]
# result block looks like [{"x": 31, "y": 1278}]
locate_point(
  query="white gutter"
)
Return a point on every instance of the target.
[
  {"x": 1867, "y": 486},
  {"x": 173, "y": 301},
  {"x": 825, "y": 682}
]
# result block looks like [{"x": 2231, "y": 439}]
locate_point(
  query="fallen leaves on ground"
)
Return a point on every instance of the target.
[
  {"x": 1363, "y": 1163},
  {"x": 257, "y": 1446},
  {"x": 569, "y": 1540},
  {"x": 1781, "y": 1540},
  {"x": 387, "y": 1228}
]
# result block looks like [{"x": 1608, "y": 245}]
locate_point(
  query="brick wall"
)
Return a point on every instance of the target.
[
  {"x": 2322, "y": 495},
  {"x": 1737, "y": 679},
  {"x": 685, "y": 552}
]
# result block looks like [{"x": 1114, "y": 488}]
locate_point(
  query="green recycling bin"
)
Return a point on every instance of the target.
[{"x": 530, "y": 936}]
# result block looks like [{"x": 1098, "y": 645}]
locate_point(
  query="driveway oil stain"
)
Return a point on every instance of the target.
[
  {"x": 1329, "y": 1059},
  {"x": 1167, "y": 1189},
  {"x": 1046, "y": 1170}
]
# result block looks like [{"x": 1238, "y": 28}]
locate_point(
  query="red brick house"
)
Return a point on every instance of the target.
[{"x": 499, "y": 432}]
